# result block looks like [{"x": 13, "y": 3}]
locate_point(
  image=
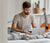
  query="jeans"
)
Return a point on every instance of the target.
[{"x": 13, "y": 31}]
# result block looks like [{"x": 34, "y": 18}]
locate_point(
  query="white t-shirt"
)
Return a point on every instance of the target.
[{"x": 23, "y": 23}]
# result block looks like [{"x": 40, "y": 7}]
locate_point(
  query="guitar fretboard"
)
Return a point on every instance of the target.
[{"x": 45, "y": 19}]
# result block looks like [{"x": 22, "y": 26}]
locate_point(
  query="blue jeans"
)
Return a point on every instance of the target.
[{"x": 13, "y": 31}]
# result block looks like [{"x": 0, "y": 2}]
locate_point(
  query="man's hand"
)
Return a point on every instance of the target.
[{"x": 27, "y": 32}]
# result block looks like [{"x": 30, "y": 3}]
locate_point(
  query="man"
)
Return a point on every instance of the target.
[{"x": 22, "y": 22}]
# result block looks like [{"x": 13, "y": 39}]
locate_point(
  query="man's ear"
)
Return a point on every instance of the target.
[{"x": 23, "y": 9}]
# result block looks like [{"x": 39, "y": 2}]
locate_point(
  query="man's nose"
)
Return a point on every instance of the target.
[{"x": 28, "y": 12}]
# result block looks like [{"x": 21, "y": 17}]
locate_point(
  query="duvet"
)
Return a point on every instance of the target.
[{"x": 22, "y": 36}]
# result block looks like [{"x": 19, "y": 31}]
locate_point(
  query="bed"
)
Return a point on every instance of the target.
[
  {"x": 36, "y": 37},
  {"x": 30, "y": 41}
]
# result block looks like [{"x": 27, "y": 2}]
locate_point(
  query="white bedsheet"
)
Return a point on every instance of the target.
[{"x": 30, "y": 41}]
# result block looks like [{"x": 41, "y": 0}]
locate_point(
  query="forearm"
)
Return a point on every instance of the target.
[
  {"x": 33, "y": 25},
  {"x": 19, "y": 30},
  {"x": 22, "y": 31}
]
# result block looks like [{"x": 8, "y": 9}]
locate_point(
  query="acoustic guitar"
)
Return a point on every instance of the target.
[{"x": 46, "y": 25}]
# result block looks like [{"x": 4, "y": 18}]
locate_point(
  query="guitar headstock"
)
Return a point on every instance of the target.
[{"x": 44, "y": 9}]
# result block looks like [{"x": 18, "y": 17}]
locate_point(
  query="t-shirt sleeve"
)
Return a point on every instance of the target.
[
  {"x": 32, "y": 19},
  {"x": 15, "y": 19}
]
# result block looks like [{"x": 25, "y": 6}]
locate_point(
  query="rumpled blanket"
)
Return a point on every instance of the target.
[{"x": 23, "y": 36}]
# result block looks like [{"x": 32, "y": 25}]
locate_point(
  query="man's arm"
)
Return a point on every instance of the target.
[
  {"x": 14, "y": 25},
  {"x": 33, "y": 25},
  {"x": 32, "y": 22}
]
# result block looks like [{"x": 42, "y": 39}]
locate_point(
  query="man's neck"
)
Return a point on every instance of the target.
[{"x": 23, "y": 14}]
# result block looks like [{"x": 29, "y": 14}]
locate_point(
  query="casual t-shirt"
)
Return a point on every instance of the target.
[{"x": 22, "y": 22}]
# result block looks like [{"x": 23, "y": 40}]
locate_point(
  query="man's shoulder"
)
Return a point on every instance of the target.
[
  {"x": 32, "y": 16},
  {"x": 17, "y": 15}
]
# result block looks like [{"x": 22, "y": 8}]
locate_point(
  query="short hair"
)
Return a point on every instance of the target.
[{"x": 26, "y": 4}]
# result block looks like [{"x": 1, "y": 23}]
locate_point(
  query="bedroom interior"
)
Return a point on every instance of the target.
[
  {"x": 14, "y": 7},
  {"x": 37, "y": 33}
]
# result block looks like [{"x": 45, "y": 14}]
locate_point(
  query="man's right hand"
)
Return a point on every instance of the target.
[{"x": 27, "y": 32}]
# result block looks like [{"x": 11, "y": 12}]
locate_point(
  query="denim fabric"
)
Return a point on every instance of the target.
[{"x": 13, "y": 31}]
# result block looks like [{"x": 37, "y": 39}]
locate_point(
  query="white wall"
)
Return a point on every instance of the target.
[{"x": 3, "y": 21}]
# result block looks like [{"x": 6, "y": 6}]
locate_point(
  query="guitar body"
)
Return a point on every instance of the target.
[{"x": 43, "y": 25}]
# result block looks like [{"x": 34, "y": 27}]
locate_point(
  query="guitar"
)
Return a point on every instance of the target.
[{"x": 46, "y": 25}]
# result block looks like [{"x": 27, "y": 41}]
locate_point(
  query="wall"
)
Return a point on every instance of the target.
[{"x": 3, "y": 21}]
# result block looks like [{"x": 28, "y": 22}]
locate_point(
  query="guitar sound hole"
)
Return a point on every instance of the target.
[{"x": 47, "y": 27}]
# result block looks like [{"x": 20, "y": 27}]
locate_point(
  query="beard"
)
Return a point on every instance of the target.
[{"x": 26, "y": 13}]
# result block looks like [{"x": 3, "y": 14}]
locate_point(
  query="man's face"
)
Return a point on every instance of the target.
[{"x": 26, "y": 11}]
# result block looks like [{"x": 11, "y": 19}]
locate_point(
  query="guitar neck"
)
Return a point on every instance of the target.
[{"x": 45, "y": 19}]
